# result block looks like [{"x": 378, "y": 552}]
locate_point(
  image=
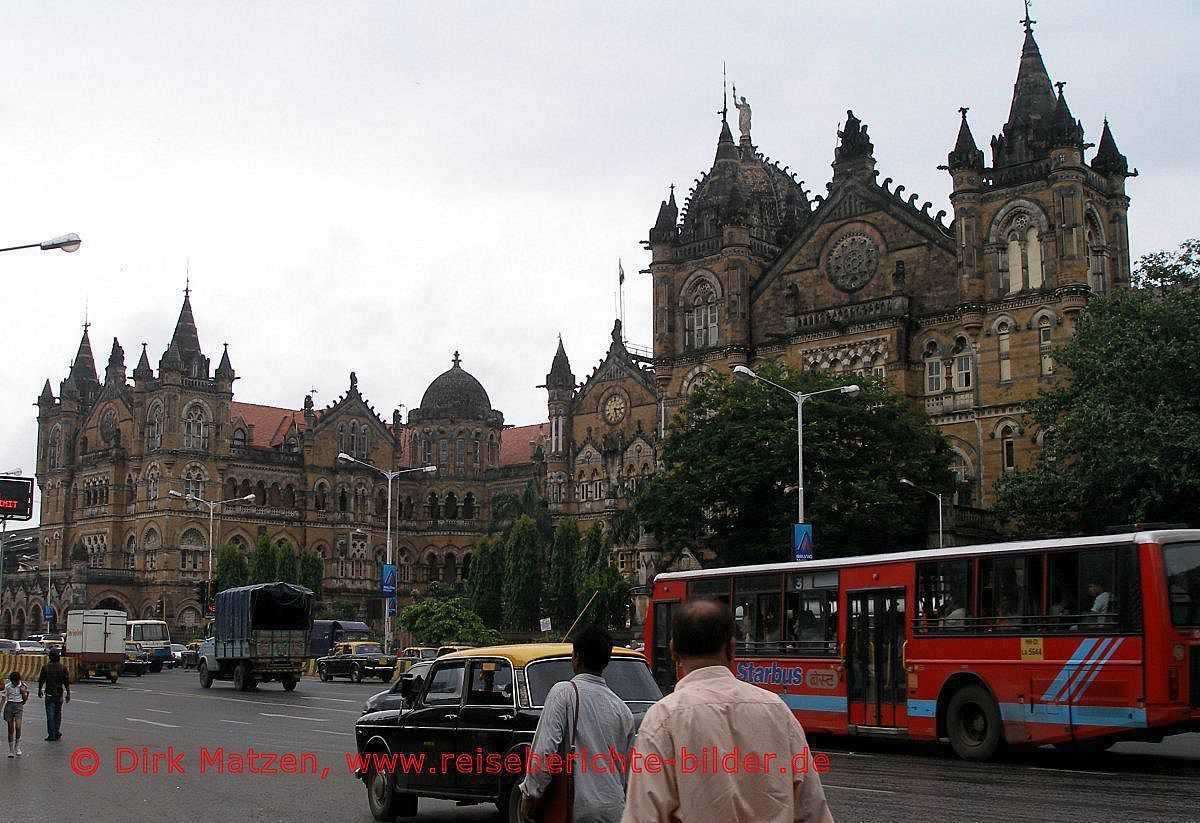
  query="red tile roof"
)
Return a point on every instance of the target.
[
  {"x": 516, "y": 447},
  {"x": 270, "y": 422}
]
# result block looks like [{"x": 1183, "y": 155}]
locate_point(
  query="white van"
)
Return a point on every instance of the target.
[{"x": 155, "y": 640}]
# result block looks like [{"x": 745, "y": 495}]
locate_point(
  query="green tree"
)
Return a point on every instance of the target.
[
  {"x": 485, "y": 582},
  {"x": 508, "y": 508},
  {"x": 311, "y": 571},
  {"x": 262, "y": 561},
  {"x": 521, "y": 588},
  {"x": 730, "y": 470},
  {"x": 1122, "y": 434},
  {"x": 444, "y": 621},
  {"x": 561, "y": 600},
  {"x": 232, "y": 569},
  {"x": 602, "y": 592},
  {"x": 345, "y": 610},
  {"x": 287, "y": 565},
  {"x": 1169, "y": 269}
]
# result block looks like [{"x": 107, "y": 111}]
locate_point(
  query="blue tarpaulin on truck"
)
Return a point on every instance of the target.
[{"x": 262, "y": 607}]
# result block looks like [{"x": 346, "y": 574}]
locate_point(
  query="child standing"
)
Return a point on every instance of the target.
[{"x": 13, "y": 703}]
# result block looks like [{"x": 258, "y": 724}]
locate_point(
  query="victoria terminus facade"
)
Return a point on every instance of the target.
[{"x": 961, "y": 316}]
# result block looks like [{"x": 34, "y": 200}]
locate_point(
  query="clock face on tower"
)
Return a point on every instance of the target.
[{"x": 614, "y": 408}]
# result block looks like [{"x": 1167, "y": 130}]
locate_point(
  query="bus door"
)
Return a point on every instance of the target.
[
  {"x": 659, "y": 652},
  {"x": 875, "y": 658}
]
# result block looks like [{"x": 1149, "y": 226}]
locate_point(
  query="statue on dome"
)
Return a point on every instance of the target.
[{"x": 743, "y": 114}]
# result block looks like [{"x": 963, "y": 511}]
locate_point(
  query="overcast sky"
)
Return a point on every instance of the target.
[{"x": 371, "y": 186}]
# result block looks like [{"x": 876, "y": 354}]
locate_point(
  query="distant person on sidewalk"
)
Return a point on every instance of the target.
[
  {"x": 13, "y": 703},
  {"x": 712, "y": 708},
  {"x": 55, "y": 682}
]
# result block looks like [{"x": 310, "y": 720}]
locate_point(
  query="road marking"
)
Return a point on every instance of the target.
[
  {"x": 81, "y": 700},
  {"x": 296, "y": 717},
  {"x": 835, "y": 753},
  {"x": 1072, "y": 771},
  {"x": 150, "y": 722},
  {"x": 239, "y": 722},
  {"x": 334, "y": 699},
  {"x": 323, "y": 731},
  {"x": 159, "y": 711},
  {"x": 855, "y": 788}
]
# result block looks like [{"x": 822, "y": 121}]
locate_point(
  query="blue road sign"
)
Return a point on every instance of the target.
[
  {"x": 48, "y": 612},
  {"x": 391, "y": 607},
  {"x": 389, "y": 580},
  {"x": 802, "y": 541}
]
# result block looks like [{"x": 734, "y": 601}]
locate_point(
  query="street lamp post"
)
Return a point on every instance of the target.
[
  {"x": 66, "y": 242},
  {"x": 744, "y": 373},
  {"x": 390, "y": 475},
  {"x": 904, "y": 481},
  {"x": 212, "y": 507}
]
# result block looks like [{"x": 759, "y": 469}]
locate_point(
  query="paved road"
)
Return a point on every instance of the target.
[{"x": 867, "y": 781}]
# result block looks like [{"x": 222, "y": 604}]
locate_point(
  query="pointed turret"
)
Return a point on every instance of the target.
[
  {"x": 1033, "y": 97},
  {"x": 225, "y": 368},
  {"x": 560, "y": 376},
  {"x": 171, "y": 360},
  {"x": 114, "y": 374},
  {"x": 186, "y": 338},
  {"x": 143, "y": 372},
  {"x": 1109, "y": 161},
  {"x": 46, "y": 398},
  {"x": 1065, "y": 131},
  {"x": 83, "y": 369},
  {"x": 965, "y": 155},
  {"x": 668, "y": 217},
  {"x": 726, "y": 148}
]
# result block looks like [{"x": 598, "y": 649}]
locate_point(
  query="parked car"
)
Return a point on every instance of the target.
[
  {"x": 445, "y": 650},
  {"x": 190, "y": 656},
  {"x": 137, "y": 660},
  {"x": 357, "y": 659},
  {"x": 409, "y": 683},
  {"x": 489, "y": 699},
  {"x": 415, "y": 654},
  {"x": 29, "y": 647},
  {"x": 8, "y": 646}
]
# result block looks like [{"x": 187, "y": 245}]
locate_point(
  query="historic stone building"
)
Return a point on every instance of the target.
[
  {"x": 110, "y": 453},
  {"x": 863, "y": 279}
]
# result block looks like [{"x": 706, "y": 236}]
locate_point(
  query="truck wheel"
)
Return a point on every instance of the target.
[
  {"x": 356, "y": 674},
  {"x": 156, "y": 666},
  {"x": 973, "y": 723},
  {"x": 206, "y": 679},
  {"x": 289, "y": 683},
  {"x": 241, "y": 677},
  {"x": 112, "y": 676},
  {"x": 139, "y": 671}
]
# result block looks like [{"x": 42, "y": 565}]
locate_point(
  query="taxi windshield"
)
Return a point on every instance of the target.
[
  {"x": 628, "y": 677},
  {"x": 367, "y": 648}
]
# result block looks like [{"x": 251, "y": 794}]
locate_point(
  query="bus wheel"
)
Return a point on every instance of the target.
[
  {"x": 1093, "y": 745},
  {"x": 973, "y": 723}
]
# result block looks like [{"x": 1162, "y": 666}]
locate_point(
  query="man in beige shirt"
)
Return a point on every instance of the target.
[{"x": 710, "y": 715}]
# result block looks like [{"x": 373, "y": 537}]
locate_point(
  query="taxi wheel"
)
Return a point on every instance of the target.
[
  {"x": 289, "y": 684},
  {"x": 510, "y": 809},
  {"x": 384, "y": 678},
  {"x": 356, "y": 674},
  {"x": 973, "y": 723},
  {"x": 112, "y": 677},
  {"x": 324, "y": 675},
  {"x": 206, "y": 679},
  {"x": 382, "y": 798}
]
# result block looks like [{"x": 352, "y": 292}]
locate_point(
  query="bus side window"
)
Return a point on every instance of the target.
[
  {"x": 810, "y": 614},
  {"x": 944, "y": 596},
  {"x": 756, "y": 614}
]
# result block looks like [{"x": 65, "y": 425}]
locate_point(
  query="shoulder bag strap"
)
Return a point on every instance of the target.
[{"x": 575, "y": 720}]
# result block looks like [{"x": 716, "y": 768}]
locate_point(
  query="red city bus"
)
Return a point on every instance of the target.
[{"x": 1077, "y": 642}]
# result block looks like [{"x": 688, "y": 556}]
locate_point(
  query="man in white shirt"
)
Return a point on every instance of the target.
[
  {"x": 605, "y": 730},
  {"x": 1101, "y": 598},
  {"x": 711, "y": 708}
]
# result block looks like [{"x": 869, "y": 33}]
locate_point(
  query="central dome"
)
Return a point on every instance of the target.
[{"x": 455, "y": 395}]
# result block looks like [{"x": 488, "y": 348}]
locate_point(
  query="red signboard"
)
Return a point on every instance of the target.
[{"x": 16, "y": 498}]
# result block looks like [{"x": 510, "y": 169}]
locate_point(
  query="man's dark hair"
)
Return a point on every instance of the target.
[
  {"x": 593, "y": 646},
  {"x": 54, "y": 655},
  {"x": 701, "y": 627}
]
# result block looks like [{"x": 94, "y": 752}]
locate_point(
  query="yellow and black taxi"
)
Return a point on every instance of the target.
[
  {"x": 482, "y": 705},
  {"x": 137, "y": 660},
  {"x": 356, "y": 659},
  {"x": 415, "y": 654}
]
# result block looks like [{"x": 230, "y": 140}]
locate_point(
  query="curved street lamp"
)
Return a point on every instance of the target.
[
  {"x": 745, "y": 373},
  {"x": 390, "y": 475},
  {"x": 66, "y": 242},
  {"x": 212, "y": 507},
  {"x": 904, "y": 481}
]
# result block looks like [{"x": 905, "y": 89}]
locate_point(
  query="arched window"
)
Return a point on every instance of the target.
[
  {"x": 450, "y": 507},
  {"x": 1003, "y": 344},
  {"x": 700, "y": 317},
  {"x": 933, "y": 368},
  {"x": 320, "y": 496},
  {"x": 962, "y": 365},
  {"x": 432, "y": 510},
  {"x": 152, "y": 478},
  {"x": 131, "y": 552},
  {"x": 1045, "y": 333},
  {"x": 408, "y": 508},
  {"x": 260, "y": 493},
  {"x": 381, "y": 503},
  {"x": 273, "y": 495},
  {"x": 191, "y": 550},
  {"x": 342, "y": 438},
  {"x": 1096, "y": 249},
  {"x": 1008, "y": 447},
  {"x": 352, "y": 440},
  {"x": 431, "y": 567},
  {"x": 403, "y": 567},
  {"x": 450, "y": 574},
  {"x": 468, "y": 507},
  {"x": 343, "y": 501},
  {"x": 195, "y": 428},
  {"x": 239, "y": 437},
  {"x": 1024, "y": 258},
  {"x": 54, "y": 448},
  {"x": 466, "y": 567},
  {"x": 154, "y": 427},
  {"x": 193, "y": 482}
]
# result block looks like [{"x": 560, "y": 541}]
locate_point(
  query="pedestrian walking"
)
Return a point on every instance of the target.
[
  {"x": 583, "y": 716},
  {"x": 56, "y": 683},
  {"x": 712, "y": 711},
  {"x": 13, "y": 703}
]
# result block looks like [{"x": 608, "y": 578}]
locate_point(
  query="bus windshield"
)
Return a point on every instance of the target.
[
  {"x": 1182, "y": 561},
  {"x": 150, "y": 631}
]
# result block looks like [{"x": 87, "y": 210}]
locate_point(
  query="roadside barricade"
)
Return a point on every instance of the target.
[{"x": 30, "y": 666}]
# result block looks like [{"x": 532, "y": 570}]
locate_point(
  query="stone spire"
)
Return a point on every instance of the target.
[
  {"x": 1109, "y": 160},
  {"x": 186, "y": 339},
  {"x": 665, "y": 226},
  {"x": 115, "y": 373},
  {"x": 82, "y": 382},
  {"x": 726, "y": 148},
  {"x": 965, "y": 155},
  {"x": 1065, "y": 130},
  {"x": 46, "y": 398},
  {"x": 560, "y": 376},
  {"x": 225, "y": 368},
  {"x": 1023, "y": 138},
  {"x": 142, "y": 371}
]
